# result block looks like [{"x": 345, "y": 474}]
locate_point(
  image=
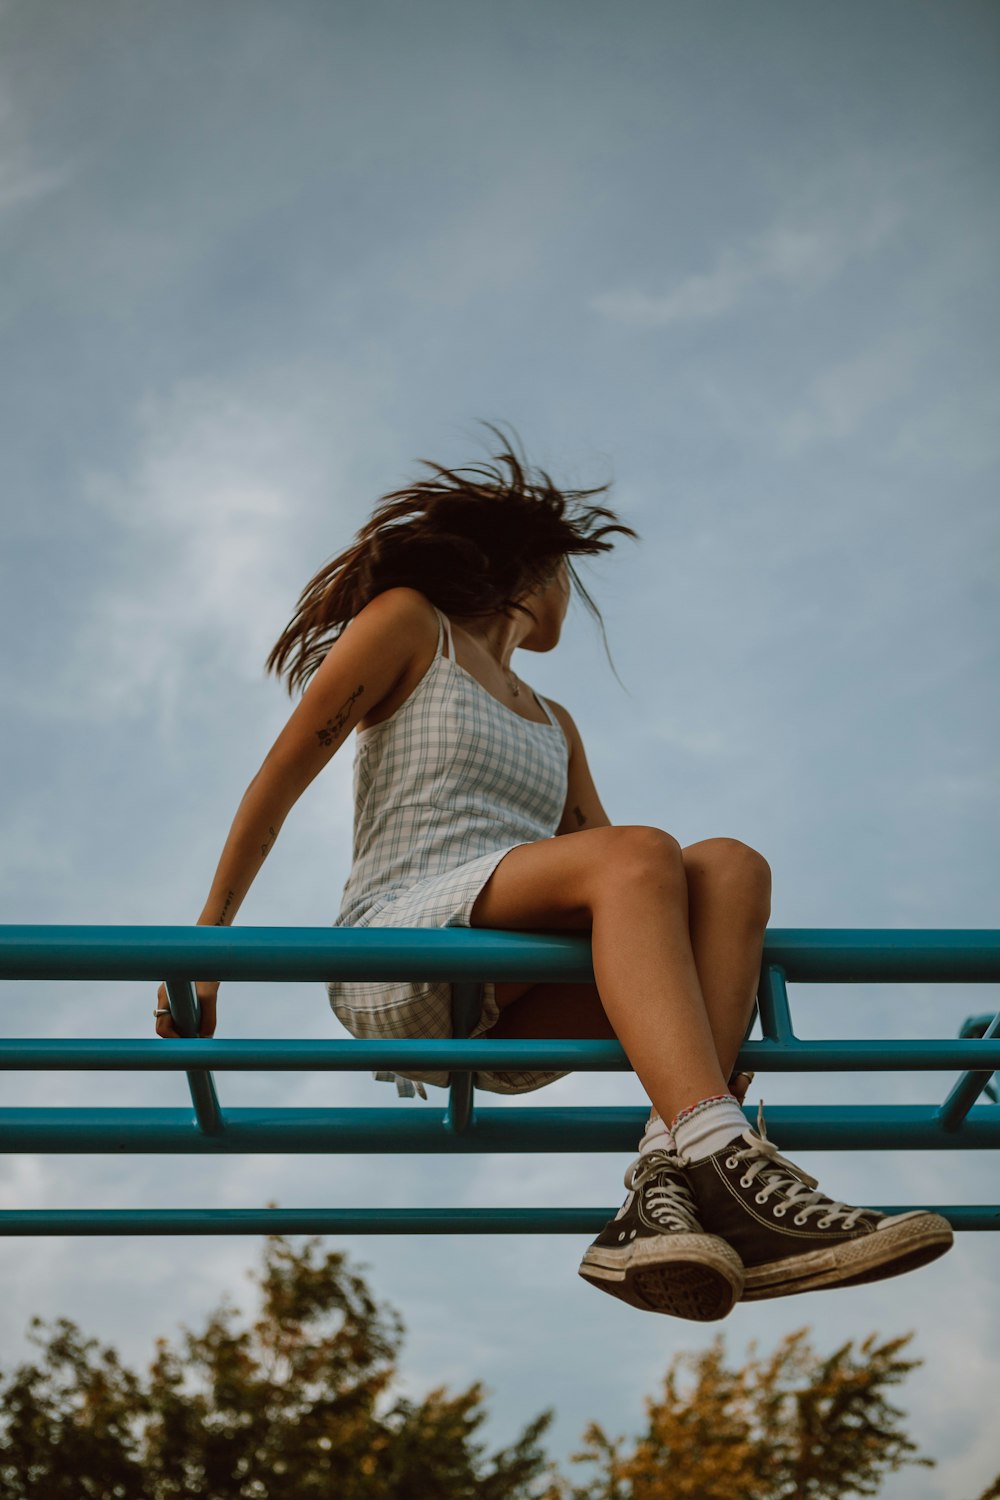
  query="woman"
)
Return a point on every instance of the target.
[{"x": 475, "y": 807}]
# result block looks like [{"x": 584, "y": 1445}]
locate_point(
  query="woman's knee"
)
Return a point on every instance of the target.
[
  {"x": 730, "y": 861},
  {"x": 636, "y": 852}
]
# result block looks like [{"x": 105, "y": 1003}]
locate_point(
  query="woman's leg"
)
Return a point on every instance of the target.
[
  {"x": 630, "y": 886},
  {"x": 729, "y": 904}
]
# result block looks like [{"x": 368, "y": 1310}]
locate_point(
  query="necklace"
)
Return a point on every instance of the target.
[{"x": 515, "y": 686}]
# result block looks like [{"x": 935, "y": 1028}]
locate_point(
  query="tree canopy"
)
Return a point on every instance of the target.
[{"x": 300, "y": 1402}]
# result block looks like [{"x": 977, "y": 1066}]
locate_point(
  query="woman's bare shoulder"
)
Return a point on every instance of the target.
[
  {"x": 403, "y": 615},
  {"x": 399, "y": 603}
]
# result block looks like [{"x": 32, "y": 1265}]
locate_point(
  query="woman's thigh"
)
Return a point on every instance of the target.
[
  {"x": 556, "y": 882},
  {"x": 549, "y": 884},
  {"x": 553, "y": 884}
]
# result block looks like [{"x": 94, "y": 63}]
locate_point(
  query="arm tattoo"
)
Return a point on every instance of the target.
[
  {"x": 265, "y": 847},
  {"x": 579, "y": 816},
  {"x": 229, "y": 901},
  {"x": 331, "y": 729}
]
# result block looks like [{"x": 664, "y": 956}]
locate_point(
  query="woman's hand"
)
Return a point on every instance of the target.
[{"x": 207, "y": 991}]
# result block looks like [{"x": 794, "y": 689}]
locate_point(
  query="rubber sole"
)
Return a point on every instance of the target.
[
  {"x": 899, "y": 1247},
  {"x": 693, "y": 1276}
]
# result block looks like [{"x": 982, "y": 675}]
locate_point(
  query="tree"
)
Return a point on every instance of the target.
[
  {"x": 296, "y": 1406},
  {"x": 299, "y": 1404},
  {"x": 789, "y": 1426}
]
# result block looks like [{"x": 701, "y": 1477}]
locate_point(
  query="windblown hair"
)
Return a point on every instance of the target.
[{"x": 473, "y": 547}]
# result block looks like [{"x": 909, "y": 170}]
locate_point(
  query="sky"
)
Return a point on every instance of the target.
[{"x": 738, "y": 262}]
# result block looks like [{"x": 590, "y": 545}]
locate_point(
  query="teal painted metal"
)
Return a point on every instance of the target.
[
  {"x": 984, "y": 1026},
  {"x": 426, "y": 1131},
  {"x": 465, "y": 958},
  {"x": 581, "y": 1221},
  {"x": 95, "y": 1054}
]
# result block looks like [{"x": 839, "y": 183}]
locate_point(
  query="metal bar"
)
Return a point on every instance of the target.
[
  {"x": 185, "y": 1012},
  {"x": 813, "y": 955},
  {"x": 98, "y": 1054},
  {"x": 461, "y": 957},
  {"x": 969, "y": 1087},
  {"x": 466, "y": 1005},
  {"x": 811, "y": 1127},
  {"x": 289, "y": 953},
  {"x": 772, "y": 1001},
  {"x": 579, "y": 1221},
  {"x": 884, "y": 955},
  {"x": 976, "y": 1026}
]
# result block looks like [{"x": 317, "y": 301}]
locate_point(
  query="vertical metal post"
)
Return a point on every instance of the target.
[
  {"x": 466, "y": 1004},
  {"x": 772, "y": 997},
  {"x": 968, "y": 1088},
  {"x": 185, "y": 1012}
]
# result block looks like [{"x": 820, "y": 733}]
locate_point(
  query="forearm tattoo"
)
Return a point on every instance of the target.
[
  {"x": 331, "y": 729},
  {"x": 265, "y": 847},
  {"x": 230, "y": 898}
]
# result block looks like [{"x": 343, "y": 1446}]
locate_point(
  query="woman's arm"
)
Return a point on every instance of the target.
[
  {"x": 362, "y": 666},
  {"x": 583, "y": 806}
]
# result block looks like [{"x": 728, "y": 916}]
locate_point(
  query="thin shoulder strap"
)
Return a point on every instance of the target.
[
  {"x": 551, "y": 717},
  {"x": 443, "y": 621}
]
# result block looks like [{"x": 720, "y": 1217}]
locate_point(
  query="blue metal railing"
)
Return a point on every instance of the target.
[{"x": 463, "y": 957}]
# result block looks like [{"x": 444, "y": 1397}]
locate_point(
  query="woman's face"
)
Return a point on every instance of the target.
[{"x": 548, "y": 605}]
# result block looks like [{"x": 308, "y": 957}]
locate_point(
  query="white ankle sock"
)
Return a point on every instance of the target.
[
  {"x": 657, "y": 1137},
  {"x": 708, "y": 1126}
]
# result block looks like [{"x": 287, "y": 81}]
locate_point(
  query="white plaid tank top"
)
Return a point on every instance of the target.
[
  {"x": 452, "y": 776},
  {"x": 443, "y": 789}
]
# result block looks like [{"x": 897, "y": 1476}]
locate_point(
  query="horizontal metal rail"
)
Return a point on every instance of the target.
[
  {"x": 582, "y": 1221},
  {"x": 95, "y": 1054},
  {"x": 425, "y": 1131},
  {"x": 464, "y": 958},
  {"x": 806, "y": 955}
]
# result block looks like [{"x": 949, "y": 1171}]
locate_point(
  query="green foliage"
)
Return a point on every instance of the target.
[
  {"x": 295, "y": 1406},
  {"x": 299, "y": 1404},
  {"x": 789, "y": 1426}
]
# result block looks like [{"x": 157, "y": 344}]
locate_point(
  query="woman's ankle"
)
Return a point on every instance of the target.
[{"x": 708, "y": 1126}]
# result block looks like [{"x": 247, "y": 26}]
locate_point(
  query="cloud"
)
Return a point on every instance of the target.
[
  {"x": 25, "y": 1184},
  {"x": 201, "y": 530},
  {"x": 31, "y": 847},
  {"x": 21, "y": 184},
  {"x": 808, "y": 245},
  {"x": 22, "y": 180},
  {"x": 849, "y": 394}
]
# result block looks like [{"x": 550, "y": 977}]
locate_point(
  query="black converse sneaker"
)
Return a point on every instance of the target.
[
  {"x": 655, "y": 1255},
  {"x": 790, "y": 1236}
]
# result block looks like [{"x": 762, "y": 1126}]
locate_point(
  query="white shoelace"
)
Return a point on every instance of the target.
[
  {"x": 795, "y": 1187},
  {"x": 668, "y": 1201}
]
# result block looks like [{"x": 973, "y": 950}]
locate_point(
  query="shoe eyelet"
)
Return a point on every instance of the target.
[
  {"x": 800, "y": 1220},
  {"x": 632, "y": 1235},
  {"x": 823, "y": 1223},
  {"x": 746, "y": 1182},
  {"x": 622, "y": 1235},
  {"x": 760, "y": 1198},
  {"x": 779, "y": 1210},
  {"x": 732, "y": 1161}
]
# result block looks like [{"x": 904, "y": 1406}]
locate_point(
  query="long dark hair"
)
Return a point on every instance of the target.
[{"x": 473, "y": 547}]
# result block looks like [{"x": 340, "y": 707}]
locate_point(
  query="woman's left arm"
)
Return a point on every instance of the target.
[{"x": 583, "y": 806}]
